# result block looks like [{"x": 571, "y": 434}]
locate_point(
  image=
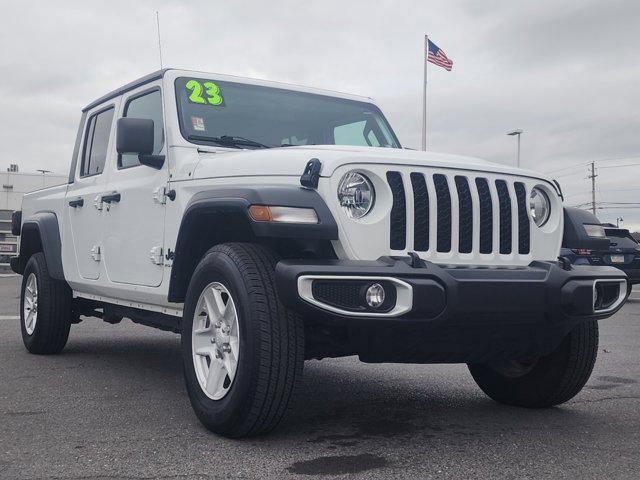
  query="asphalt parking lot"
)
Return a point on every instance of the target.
[{"x": 113, "y": 405}]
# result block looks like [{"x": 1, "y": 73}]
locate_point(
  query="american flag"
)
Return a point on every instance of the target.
[{"x": 437, "y": 56}]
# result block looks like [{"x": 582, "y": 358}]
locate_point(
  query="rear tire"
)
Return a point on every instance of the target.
[
  {"x": 269, "y": 341},
  {"x": 546, "y": 381},
  {"x": 45, "y": 309}
]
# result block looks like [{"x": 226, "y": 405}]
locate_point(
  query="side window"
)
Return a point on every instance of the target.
[
  {"x": 350, "y": 134},
  {"x": 362, "y": 133},
  {"x": 149, "y": 106},
  {"x": 94, "y": 154}
]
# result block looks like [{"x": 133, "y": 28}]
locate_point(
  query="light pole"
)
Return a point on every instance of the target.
[
  {"x": 517, "y": 132},
  {"x": 43, "y": 173},
  {"x": 618, "y": 220}
]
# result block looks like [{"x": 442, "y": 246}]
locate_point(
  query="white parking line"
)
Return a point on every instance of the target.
[
  {"x": 6, "y": 275},
  {"x": 9, "y": 317}
]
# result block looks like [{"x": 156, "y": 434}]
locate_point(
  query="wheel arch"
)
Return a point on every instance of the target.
[
  {"x": 41, "y": 233},
  {"x": 222, "y": 215}
]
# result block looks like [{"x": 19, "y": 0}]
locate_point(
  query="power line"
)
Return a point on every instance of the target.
[
  {"x": 577, "y": 165},
  {"x": 568, "y": 167},
  {"x": 620, "y": 166},
  {"x": 605, "y": 190}
]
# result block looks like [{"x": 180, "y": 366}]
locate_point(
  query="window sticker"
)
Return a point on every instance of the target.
[
  {"x": 211, "y": 96},
  {"x": 198, "y": 124}
]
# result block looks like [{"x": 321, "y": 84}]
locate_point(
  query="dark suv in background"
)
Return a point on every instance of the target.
[{"x": 623, "y": 253}]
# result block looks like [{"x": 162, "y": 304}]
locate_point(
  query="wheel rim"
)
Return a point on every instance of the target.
[
  {"x": 215, "y": 340},
  {"x": 30, "y": 305}
]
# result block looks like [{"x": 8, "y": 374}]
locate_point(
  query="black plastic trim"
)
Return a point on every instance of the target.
[
  {"x": 575, "y": 236},
  {"x": 240, "y": 199},
  {"x": 76, "y": 148},
  {"x": 16, "y": 222},
  {"x": 236, "y": 201},
  {"x": 542, "y": 294},
  {"x": 157, "y": 75},
  {"x": 45, "y": 226}
]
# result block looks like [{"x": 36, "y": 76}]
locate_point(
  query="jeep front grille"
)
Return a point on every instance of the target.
[{"x": 461, "y": 203}]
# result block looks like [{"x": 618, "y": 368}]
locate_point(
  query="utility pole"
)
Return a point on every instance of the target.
[{"x": 593, "y": 187}]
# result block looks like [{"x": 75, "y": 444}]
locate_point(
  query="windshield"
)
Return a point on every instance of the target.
[{"x": 213, "y": 112}]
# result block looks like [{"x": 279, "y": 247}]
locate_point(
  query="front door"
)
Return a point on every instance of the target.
[
  {"x": 134, "y": 222},
  {"x": 83, "y": 205}
]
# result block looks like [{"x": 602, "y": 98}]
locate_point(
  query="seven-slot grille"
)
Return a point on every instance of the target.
[{"x": 508, "y": 197}]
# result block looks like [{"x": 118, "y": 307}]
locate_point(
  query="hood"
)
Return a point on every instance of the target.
[{"x": 290, "y": 161}]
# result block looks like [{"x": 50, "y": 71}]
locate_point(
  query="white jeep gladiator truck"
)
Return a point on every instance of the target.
[{"x": 269, "y": 224}]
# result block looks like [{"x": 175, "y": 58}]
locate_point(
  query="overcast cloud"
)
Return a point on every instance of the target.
[{"x": 566, "y": 72}]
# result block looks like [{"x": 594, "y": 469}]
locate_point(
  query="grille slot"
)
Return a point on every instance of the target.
[
  {"x": 465, "y": 215},
  {"x": 458, "y": 214},
  {"x": 524, "y": 238},
  {"x": 398, "y": 233},
  {"x": 443, "y": 199},
  {"x": 420, "y": 212},
  {"x": 504, "y": 199},
  {"x": 486, "y": 215}
]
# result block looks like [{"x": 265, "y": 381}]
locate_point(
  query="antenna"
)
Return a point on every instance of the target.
[{"x": 159, "y": 42}]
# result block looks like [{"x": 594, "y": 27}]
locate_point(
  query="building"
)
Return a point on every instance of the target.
[{"x": 14, "y": 185}]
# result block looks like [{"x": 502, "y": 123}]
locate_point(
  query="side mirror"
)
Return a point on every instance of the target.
[{"x": 135, "y": 135}]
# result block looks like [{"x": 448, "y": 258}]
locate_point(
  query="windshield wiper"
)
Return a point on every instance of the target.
[
  {"x": 229, "y": 141},
  {"x": 204, "y": 138},
  {"x": 235, "y": 140}
]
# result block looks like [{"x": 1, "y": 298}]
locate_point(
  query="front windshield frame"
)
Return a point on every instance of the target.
[{"x": 395, "y": 143}]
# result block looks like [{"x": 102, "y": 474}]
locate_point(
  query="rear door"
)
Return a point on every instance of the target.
[
  {"x": 83, "y": 206},
  {"x": 134, "y": 225}
]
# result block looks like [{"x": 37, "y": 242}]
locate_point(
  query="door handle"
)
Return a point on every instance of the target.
[
  {"x": 111, "y": 198},
  {"x": 78, "y": 202}
]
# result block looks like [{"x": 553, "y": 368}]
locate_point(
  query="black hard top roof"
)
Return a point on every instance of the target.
[{"x": 129, "y": 86}]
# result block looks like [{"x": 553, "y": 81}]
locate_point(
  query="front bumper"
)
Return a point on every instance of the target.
[{"x": 544, "y": 293}]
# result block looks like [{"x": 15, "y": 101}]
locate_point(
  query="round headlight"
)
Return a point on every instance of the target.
[
  {"x": 356, "y": 194},
  {"x": 539, "y": 206}
]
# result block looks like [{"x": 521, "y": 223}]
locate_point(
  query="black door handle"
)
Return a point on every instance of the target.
[
  {"x": 111, "y": 198},
  {"x": 78, "y": 202}
]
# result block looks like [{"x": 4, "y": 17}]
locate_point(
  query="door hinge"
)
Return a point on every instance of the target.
[
  {"x": 155, "y": 255},
  {"x": 95, "y": 253},
  {"x": 161, "y": 194}
]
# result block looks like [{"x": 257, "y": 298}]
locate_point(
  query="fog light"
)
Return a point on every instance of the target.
[{"x": 375, "y": 295}]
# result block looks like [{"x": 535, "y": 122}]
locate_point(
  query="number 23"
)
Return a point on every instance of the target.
[{"x": 211, "y": 89}]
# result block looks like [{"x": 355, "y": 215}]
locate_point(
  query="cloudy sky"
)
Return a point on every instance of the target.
[{"x": 566, "y": 72}]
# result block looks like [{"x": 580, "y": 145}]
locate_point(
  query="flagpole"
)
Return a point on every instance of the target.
[{"x": 425, "y": 53}]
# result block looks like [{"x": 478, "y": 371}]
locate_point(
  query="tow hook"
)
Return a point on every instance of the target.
[
  {"x": 564, "y": 262},
  {"x": 416, "y": 261}
]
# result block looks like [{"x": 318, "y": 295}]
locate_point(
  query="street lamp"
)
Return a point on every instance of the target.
[
  {"x": 618, "y": 220},
  {"x": 517, "y": 132},
  {"x": 43, "y": 172}
]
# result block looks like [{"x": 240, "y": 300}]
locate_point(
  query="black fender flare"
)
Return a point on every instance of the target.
[
  {"x": 41, "y": 232},
  {"x": 575, "y": 235},
  {"x": 236, "y": 201}
]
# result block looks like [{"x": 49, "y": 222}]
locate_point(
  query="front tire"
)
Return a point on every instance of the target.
[
  {"x": 45, "y": 309},
  {"x": 545, "y": 381},
  {"x": 243, "y": 351}
]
